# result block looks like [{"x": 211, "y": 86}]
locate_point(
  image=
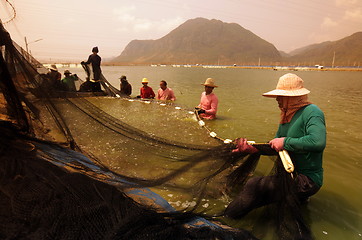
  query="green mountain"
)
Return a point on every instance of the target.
[
  {"x": 202, "y": 41},
  {"x": 344, "y": 52}
]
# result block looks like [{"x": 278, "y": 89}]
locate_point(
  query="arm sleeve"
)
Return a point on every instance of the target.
[
  {"x": 314, "y": 139},
  {"x": 199, "y": 106},
  {"x": 213, "y": 108}
]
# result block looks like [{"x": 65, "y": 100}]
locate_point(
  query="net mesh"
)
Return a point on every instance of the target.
[{"x": 53, "y": 193}]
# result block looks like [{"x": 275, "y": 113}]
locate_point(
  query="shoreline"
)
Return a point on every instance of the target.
[{"x": 274, "y": 68}]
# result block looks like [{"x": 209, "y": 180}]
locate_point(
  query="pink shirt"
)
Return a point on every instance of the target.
[
  {"x": 166, "y": 94},
  {"x": 209, "y": 104}
]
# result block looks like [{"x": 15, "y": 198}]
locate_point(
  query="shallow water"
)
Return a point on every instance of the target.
[{"x": 335, "y": 212}]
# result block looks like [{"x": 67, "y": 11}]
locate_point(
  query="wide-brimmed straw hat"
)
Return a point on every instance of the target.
[
  {"x": 67, "y": 72},
  {"x": 144, "y": 80},
  {"x": 53, "y": 67},
  {"x": 209, "y": 82},
  {"x": 288, "y": 85}
]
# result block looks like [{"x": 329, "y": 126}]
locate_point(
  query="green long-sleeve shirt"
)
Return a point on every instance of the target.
[
  {"x": 69, "y": 83},
  {"x": 305, "y": 140}
]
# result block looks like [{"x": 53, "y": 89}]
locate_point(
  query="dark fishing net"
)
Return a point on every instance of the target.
[
  {"x": 289, "y": 221},
  {"x": 277, "y": 193},
  {"x": 119, "y": 136},
  {"x": 42, "y": 201}
]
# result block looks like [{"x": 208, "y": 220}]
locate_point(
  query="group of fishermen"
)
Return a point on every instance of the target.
[
  {"x": 302, "y": 132},
  {"x": 68, "y": 82}
]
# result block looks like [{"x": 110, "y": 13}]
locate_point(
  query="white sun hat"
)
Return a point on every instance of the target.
[{"x": 288, "y": 85}]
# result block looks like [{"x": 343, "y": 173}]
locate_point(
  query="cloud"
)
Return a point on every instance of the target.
[
  {"x": 124, "y": 14},
  {"x": 131, "y": 24},
  {"x": 142, "y": 25},
  {"x": 169, "y": 24},
  {"x": 318, "y": 37},
  {"x": 328, "y": 23},
  {"x": 352, "y": 9},
  {"x": 346, "y": 3},
  {"x": 353, "y": 15},
  {"x": 154, "y": 29}
]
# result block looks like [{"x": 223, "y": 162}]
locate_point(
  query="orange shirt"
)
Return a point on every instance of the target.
[{"x": 147, "y": 92}]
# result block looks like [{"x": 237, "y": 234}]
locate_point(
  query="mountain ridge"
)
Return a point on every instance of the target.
[
  {"x": 344, "y": 52},
  {"x": 203, "y": 41}
]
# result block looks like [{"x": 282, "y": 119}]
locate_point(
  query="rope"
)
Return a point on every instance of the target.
[
  {"x": 14, "y": 12},
  {"x": 211, "y": 133},
  {"x": 284, "y": 155}
]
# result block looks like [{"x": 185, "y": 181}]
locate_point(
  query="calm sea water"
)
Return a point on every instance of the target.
[{"x": 335, "y": 212}]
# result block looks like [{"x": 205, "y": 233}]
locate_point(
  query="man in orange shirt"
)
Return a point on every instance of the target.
[{"x": 145, "y": 90}]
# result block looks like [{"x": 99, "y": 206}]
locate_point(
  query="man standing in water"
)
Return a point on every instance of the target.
[
  {"x": 208, "y": 103},
  {"x": 125, "y": 86},
  {"x": 95, "y": 60},
  {"x": 54, "y": 78},
  {"x": 69, "y": 81},
  {"x": 165, "y": 93},
  {"x": 302, "y": 132},
  {"x": 145, "y": 90}
]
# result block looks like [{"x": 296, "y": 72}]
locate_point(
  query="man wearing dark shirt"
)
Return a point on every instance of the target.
[
  {"x": 95, "y": 60},
  {"x": 126, "y": 87}
]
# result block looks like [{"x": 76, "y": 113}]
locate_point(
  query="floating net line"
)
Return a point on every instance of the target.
[{"x": 48, "y": 115}]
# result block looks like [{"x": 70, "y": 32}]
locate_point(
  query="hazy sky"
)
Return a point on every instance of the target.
[{"x": 70, "y": 28}]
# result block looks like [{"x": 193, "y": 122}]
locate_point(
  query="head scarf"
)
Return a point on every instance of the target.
[{"x": 290, "y": 105}]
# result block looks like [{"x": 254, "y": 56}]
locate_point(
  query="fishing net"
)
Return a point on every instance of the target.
[
  {"x": 52, "y": 192},
  {"x": 42, "y": 201}
]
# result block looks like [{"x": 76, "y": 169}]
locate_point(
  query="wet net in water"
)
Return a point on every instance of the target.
[{"x": 129, "y": 148}]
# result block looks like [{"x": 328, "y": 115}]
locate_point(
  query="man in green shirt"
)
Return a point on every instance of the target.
[
  {"x": 69, "y": 81},
  {"x": 302, "y": 132}
]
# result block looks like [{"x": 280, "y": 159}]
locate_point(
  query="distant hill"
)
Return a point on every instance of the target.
[
  {"x": 202, "y": 41},
  {"x": 345, "y": 52},
  {"x": 308, "y": 48},
  {"x": 284, "y": 54}
]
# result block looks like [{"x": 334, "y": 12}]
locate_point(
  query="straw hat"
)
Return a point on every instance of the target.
[
  {"x": 209, "y": 82},
  {"x": 53, "y": 67},
  {"x": 144, "y": 80},
  {"x": 67, "y": 72},
  {"x": 288, "y": 85}
]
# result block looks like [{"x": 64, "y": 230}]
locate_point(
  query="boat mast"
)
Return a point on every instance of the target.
[{"x": 334, "y": 56}]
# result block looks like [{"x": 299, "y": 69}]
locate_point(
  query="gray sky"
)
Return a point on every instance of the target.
[{"x": 70, "y": 28}]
